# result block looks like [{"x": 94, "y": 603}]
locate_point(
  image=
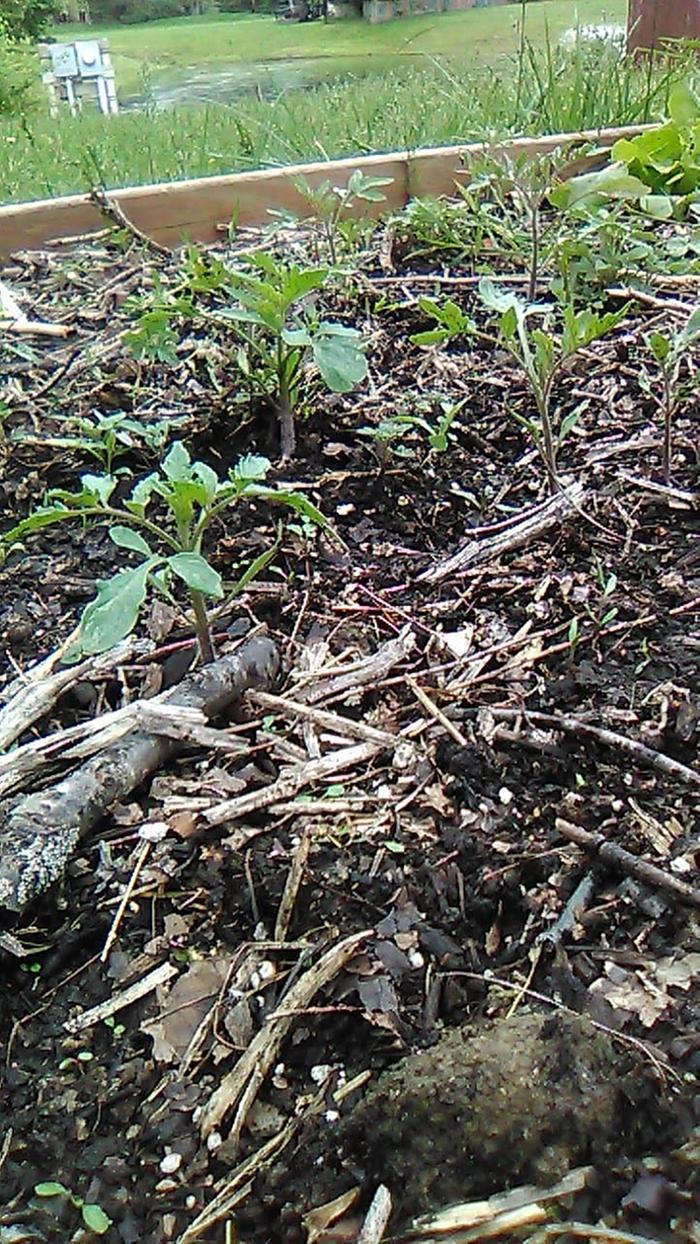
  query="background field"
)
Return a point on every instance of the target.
[{"x": 315, "y": 91}]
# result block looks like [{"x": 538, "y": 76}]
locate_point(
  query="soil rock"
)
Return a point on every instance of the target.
[{"x": 521, "y": 1102}]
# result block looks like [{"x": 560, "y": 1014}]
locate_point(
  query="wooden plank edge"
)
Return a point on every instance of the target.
[{"x": 191, "y": 210}]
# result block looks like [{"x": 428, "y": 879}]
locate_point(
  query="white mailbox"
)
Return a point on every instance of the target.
[
  {"x": 79, "y": 73},
  {"x": 89, "y": 58}
]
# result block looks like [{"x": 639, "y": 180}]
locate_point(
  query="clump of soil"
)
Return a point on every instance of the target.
[{"x": 522, "y": 1101}]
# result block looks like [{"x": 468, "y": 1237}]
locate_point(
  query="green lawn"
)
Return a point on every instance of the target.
[
  {"x": 470, "y": 85},
  {"x": 477, "y": 34}
]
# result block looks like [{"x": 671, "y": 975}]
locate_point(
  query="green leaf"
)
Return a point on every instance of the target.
[
  {"x": 195, "y": 571},
  {"x": 95, "y": 1219},
  {"x": 51, "y": 1189},
  {"x": 339, "y": 356},
  {"x": 689, "y": 331},
  {"x": 296, "y": 337},
  {"x": 127, "y": 538},
  {"x": 657, "y": 206},
  {"x": 45, "y": 516},
  {"x": 569, "y": 421},
  {"x": 207, "y": 478},
  {"x": 613, "y": 181},
  {"x": 499, "y": 300},
  {"x": 298, "y": 282},
  {"x": 113, "y": 614},
  {"x": 660, "y": 346},
  {"x": 100, "y": 486},
  {"x": 250, "y": 468},
  {"x": 432, "y": 337},
  {"x": 177, "y": 463},
  {"x": 141, "y": 494},
  {"x": 683, "y": 104}
]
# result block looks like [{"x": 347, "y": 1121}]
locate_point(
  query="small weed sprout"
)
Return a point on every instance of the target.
[
  {"x": 670, "y": 351},
  {"x": 278, "y": 330},
  {"x": 331, "y": 203},
  {"x": 108, "y": 437},
  {"x": 192, "y": 495},
  {"x": 93, "y": 1216},
  {"x": 390, "y": 435},
  {"x": 601, "y": 613},
  {"x": 451, "y": 321},
  {"x": 542, "y": 355}
]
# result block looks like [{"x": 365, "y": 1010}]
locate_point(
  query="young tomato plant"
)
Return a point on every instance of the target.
[
  {"x": 332, "y": 203},
  {"x": 542, "y": 353},
  {"x": 168, "y": 542},
  {"x": 669, "y": 351},
  {"x": 279, "y": 331}
]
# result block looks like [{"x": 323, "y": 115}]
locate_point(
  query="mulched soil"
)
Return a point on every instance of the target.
[{"x": 444, "y": 848}]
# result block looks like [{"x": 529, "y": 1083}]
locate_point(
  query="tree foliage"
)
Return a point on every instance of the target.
[{"x": 25, "y": 19}]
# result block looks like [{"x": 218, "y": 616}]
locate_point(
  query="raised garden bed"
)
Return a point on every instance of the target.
[{"x": 389, "y": 840}]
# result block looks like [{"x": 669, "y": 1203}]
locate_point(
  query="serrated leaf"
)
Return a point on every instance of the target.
[
  {"x": 195, "y": 571},
  {"x": 127, "y": 538},
  {"x": 95, "y": 1219},
  {"x": 113, "y": 614}
]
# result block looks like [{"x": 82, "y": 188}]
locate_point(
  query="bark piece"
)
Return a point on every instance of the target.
[
  {"x": 475, "y": 552},
  {"x": 40, "y": 833}
]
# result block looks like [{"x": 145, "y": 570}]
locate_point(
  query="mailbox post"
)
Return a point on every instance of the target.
[{"x": 75, "y": 73}]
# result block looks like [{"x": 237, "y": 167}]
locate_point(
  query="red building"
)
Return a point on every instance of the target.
[{"x": 653, "y": 21}]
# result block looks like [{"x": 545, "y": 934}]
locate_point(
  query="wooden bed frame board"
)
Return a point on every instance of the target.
[{"x": 173, "y": 213}]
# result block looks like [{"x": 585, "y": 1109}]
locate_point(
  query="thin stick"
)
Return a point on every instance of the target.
[
  {"x": 610, "y": 738},
  {"x": 96, "y": 1014},
  {"x": 111, "y": 209},
  {"x": 240, "y": 1087},
  {"x": 437, "y": 713},
  {"x": 119, "y": 914},
  {"x": 291, "y": 889}
]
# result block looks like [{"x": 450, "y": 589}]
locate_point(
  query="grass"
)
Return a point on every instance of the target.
[
  {"x": 422, "y": 102},
  {"x": 482, "y": 34}
]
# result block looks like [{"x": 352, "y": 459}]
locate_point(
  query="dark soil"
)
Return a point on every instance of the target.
[{"x": 443, "y": 848}]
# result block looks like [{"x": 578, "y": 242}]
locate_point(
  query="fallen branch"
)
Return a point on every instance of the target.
[
  {"x": 111, "y": 1006},
  {"x": 499, "y": 1215},
  {"x": 284, "y": 707},
  {"x": 630, "y": 865},
  {"x": 476, "y": 552},
  {"x": 41, "y": 832},
  {"x": 238, "y": 1090},
  {"x": 627, "y": 294}
]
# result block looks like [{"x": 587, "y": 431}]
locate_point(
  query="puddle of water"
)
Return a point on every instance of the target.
[{"x": 225, "y": 83}]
